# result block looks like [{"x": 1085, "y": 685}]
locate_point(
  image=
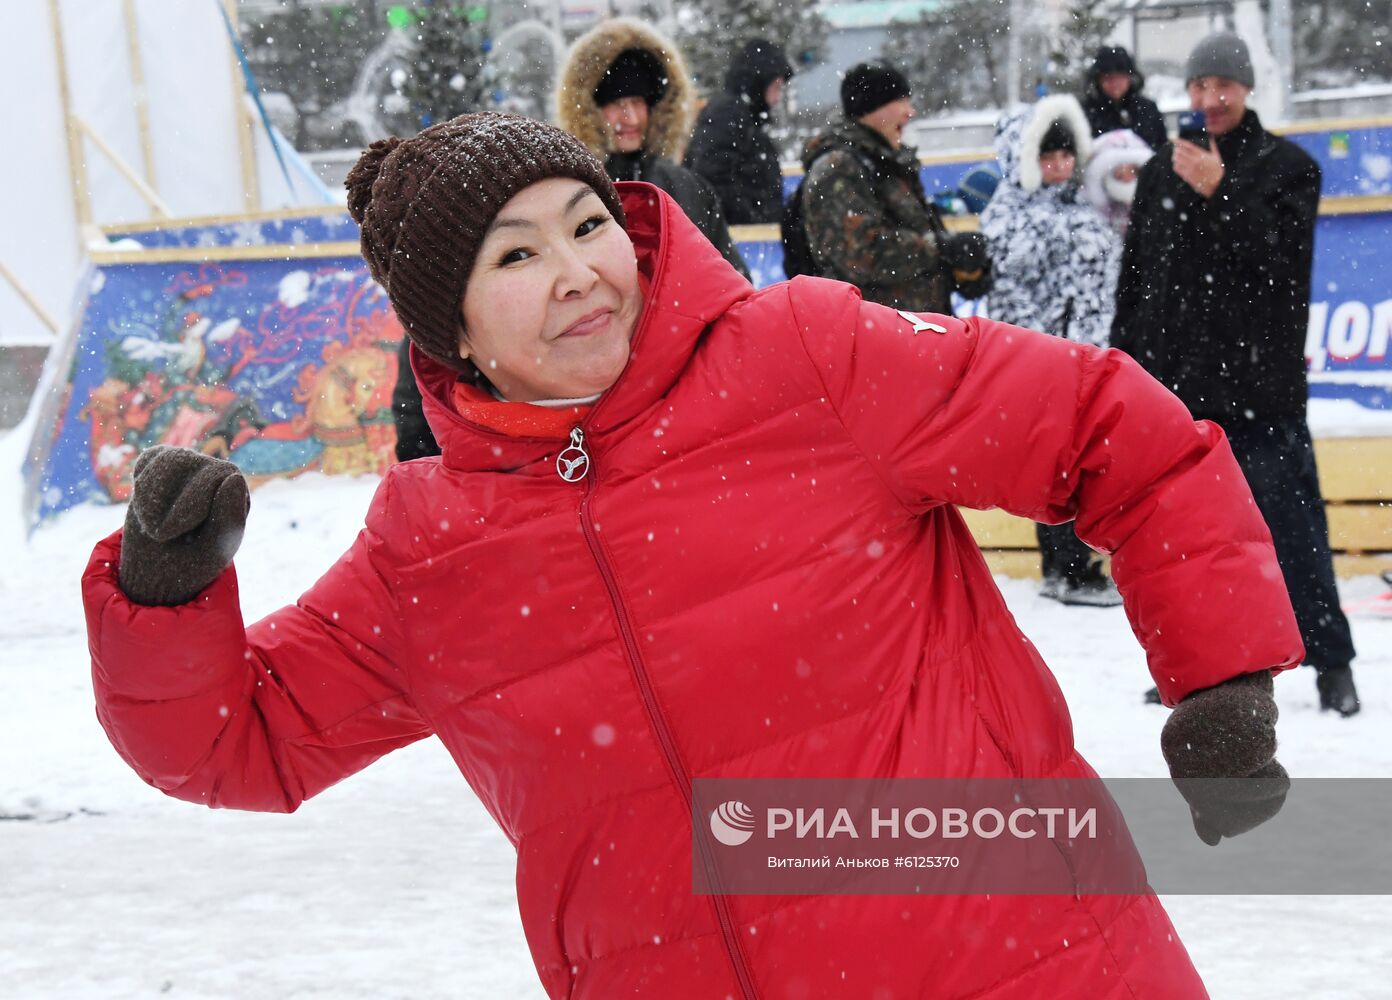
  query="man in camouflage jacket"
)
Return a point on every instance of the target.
[{"x": 867, "y": 219}]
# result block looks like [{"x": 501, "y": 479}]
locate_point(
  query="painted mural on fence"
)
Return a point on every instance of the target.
[
  {"x": 280, "y": 367},
  {"x": 1353, "y": 161}
]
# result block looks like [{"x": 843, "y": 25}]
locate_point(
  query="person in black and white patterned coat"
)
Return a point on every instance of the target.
[{"x": 1056, "y": 261}]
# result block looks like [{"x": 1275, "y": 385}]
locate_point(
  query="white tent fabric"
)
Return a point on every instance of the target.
[
  {"x": 193, "y": 89},
  {"x": 38, "y": 223}
]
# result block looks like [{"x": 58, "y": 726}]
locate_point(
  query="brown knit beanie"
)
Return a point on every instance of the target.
[{"x": 424, "y": 203}]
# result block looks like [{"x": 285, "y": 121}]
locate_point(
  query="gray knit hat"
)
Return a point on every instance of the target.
[
  {"x": 1221, "y": 54},
  {"x": 424, "y": 204}
]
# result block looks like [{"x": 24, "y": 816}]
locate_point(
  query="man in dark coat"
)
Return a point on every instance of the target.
[
  {"x": 867, "y": 219},
  {"x": 731, "y": 147},
  {"x": 1214, "y": 300},
  {"x": 625, "y": 93},
  {"x": 1113, "y": 100}
]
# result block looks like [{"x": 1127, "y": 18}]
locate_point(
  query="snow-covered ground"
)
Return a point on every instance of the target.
[
  {"x": 1345, "y": 418},
  {"x": 396, "y": 884}
]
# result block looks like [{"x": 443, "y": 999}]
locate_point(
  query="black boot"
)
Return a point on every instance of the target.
[
  {"x": 1091, "y": 589},
  {"x": 1152, "y": 697},
  {"x": 1336, "y": 690}
]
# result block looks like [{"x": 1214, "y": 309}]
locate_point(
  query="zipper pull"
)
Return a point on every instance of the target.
[{"x": 573, "y": 464}]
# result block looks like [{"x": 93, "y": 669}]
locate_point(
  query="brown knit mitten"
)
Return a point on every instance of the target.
[
  {"x": 1220, "y": 743},
  {"x": 183, "y": 527}
]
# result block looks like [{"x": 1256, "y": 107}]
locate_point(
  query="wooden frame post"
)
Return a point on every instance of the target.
[
  {"x": 142, "y": 97},
  {"x": 77, "y": 161},
  {"x": 246, "y": 137}
]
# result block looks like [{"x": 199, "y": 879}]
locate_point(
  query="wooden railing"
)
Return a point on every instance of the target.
[{"x": 1355, "y": 475}]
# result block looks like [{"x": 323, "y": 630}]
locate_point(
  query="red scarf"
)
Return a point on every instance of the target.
[{"x": 515, "y": 419}]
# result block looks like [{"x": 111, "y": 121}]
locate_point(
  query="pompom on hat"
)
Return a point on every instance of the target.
[{"x": 424, "y": 203}]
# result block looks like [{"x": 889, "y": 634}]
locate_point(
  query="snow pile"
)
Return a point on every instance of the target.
[{"x": 1347, "y": 418}]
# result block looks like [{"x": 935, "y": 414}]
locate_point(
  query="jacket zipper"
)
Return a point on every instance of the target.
[{"x": 655, "y": 716}]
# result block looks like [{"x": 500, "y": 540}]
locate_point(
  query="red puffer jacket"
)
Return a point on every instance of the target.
[{"x": 762, "y": 574}]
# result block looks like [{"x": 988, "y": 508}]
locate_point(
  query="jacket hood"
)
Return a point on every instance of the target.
[
  {"x": 1020, "y": 131},
  {"x": 690, "y": 286},
  {"x": 669, "y": 120},
  {"x": 1113, "y": 59},
  {"x": 1114, "y": 149},
  {"x": 753, "y": 68}
]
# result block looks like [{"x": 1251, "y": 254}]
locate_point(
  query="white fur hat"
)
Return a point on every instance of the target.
[
  {"x": 1062, "y": 108},
  {"x": 1110, "y": 151}
]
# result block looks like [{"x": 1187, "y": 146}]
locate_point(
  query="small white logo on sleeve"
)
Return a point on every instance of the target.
[
  {"x": 732, "y": 823},
  {"x": 920, "y": 324}
]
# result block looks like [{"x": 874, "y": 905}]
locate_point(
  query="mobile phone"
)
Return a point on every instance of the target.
[{"x": 1193, "y": 127}]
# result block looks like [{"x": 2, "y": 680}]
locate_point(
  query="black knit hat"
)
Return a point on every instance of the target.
[
  {"x": 633, "y": 73},
  {"x": 868, "y": 86},
  {"x": 1112, "y": 59},
  {"x": 424, "y": 203},
  {"x": 1059, "y": 136}
]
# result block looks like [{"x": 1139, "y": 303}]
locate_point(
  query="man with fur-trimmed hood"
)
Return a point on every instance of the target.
[{"x": 625, "y": 93}]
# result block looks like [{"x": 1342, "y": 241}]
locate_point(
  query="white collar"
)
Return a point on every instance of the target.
[{"x": 550, "y": 404}]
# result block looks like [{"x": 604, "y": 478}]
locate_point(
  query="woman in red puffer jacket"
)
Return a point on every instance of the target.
[{"x": 681, "y": 529}]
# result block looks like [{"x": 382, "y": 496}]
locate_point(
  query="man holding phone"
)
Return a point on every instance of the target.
[{"x": 1214, "y": 299}]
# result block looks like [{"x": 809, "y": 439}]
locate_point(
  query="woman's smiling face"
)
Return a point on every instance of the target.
[{"x": 553, "y": 298}]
